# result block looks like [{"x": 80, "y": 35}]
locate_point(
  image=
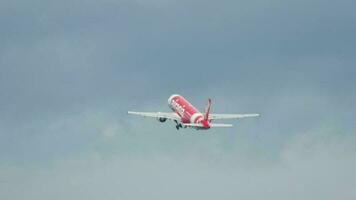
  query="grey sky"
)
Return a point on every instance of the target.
[{"x": 69, "y": 71}]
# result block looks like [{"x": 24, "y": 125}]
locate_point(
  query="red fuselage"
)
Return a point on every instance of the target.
[{"x": 187, "y": 112}]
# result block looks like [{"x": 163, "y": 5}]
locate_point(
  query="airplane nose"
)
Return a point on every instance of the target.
[{"x": 171, "y": 97}]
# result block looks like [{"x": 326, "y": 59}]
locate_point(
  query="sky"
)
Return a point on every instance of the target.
[{"x": 70, "y": 71}]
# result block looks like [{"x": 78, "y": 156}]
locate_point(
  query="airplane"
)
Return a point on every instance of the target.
[{"x": 186, "y": 115}]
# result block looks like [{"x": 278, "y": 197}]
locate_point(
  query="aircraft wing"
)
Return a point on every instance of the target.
[
  {"x": 170, "y": 116},
  {"x": 231, "y": 116}
]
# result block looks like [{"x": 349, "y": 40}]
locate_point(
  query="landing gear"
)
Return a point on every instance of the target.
[{"x": 179, "y": 125}]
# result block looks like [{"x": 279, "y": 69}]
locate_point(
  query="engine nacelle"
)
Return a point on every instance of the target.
[{"x": 162, "y": 119}]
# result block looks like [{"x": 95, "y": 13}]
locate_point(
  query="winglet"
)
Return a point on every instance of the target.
[{"x": 207, "y": 110}]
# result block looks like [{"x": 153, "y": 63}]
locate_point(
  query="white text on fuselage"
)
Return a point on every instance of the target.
[{"x": 178, "y": 108}]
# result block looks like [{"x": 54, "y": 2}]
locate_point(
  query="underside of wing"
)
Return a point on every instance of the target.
[
  {"x": 170, "y": 116},
  {"x": 231, "y": 116}
]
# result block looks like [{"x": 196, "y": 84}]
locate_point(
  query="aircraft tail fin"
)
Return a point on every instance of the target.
[{"x": 207, "y": 110}]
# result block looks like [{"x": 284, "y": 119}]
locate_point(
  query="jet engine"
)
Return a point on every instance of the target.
[{"x": 162, "y": 119}]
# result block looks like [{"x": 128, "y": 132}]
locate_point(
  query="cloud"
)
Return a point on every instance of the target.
[
  {"x": 71, "y": 69},
  {"x": 316, "y": 165}
]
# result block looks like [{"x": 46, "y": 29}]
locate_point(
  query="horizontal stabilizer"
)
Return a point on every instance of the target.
[
  {"x": 231, "y": 116},
  {"x": 211, "y": 125},
  {"x": 221, "y": 125}
]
